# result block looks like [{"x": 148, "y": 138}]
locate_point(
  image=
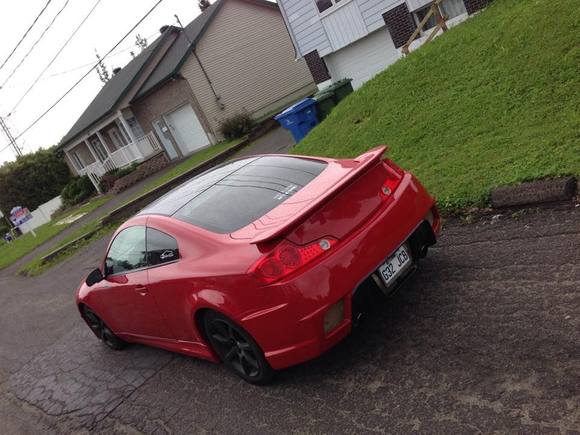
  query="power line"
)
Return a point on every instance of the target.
[
  {"x": 11, "y": 139},
  {"x": 89, "y": 71},
  {"x": 84, "y": 65},
  {"x": 25, "y": 34},
  {"x": 35, "y": 44},
  {"x": 55, "y": 56}
]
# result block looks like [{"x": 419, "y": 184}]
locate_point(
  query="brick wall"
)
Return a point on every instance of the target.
[
  {"x": 144, "y": 170},
  {"x": 317, "y": 67},
  {"x": 473, "y": 6},
  {"x": 172, "y": 95},
  {"x": 400, "y": 24}
]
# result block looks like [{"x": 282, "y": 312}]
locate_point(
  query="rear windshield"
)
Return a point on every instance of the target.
[{"x": 249, "y": 192}]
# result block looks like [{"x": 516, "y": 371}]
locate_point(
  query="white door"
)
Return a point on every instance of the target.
[
  {"x": 186, "y": 129},
  {"x": 364, "y": 59},
  {"x": 163, "y": 134}
]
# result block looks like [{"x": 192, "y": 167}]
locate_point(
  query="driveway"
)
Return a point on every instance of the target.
[{"x": 484, "y": 337}]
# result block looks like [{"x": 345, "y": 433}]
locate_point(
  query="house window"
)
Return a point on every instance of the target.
[
  {"x": 99, "y": 149},
  {"x": 77, "y": 162},
  {"x": 116, "y": 137},
  {"x": 326, "y": 4},
  {"x": 135, "y": 127},
  {"x": 448, "y": 8}
]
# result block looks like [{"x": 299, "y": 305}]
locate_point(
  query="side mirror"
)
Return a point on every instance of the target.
[{"x": 94, "y": 277}]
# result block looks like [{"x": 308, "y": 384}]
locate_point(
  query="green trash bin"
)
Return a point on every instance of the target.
[
  {"x": 341, "y": 89},
  {"x": 325, "y": 102}
]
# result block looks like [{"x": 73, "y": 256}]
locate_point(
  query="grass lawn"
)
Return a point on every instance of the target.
[
  {"x": 35, "y": 267},
  {"x": 10, "y": 252},
  {"x": 494, "y": 101}
]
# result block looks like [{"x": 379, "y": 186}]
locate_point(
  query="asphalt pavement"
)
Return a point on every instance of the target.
[{"x": 485, "y": 337}]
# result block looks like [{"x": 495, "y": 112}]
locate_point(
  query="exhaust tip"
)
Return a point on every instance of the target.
[{"x": 358, "y": 320}]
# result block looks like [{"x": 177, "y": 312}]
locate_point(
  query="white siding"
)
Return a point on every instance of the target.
[
  {"x": 344, "y": 25},
  {"x": 372, "y": 11},
  {"x": 311, "y": 30},
  {"x": 364, "y": 59},
  {"x": 335, "y": 28},
  {"x": 413, "y": 5},
  {"x": 304, "y": 23}
]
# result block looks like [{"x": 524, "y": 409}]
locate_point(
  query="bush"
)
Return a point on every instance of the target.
[
  {"x": 109, "y": 179},
  {"x": 77, "y": 190},
  {"x": 236, "y": 126}
]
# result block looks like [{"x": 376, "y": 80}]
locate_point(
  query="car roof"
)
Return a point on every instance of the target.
[{"x": 229, "y": 172}]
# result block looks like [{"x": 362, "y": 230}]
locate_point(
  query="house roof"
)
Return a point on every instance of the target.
[
  {"x": 117, "y": 87},
  {"x": 106, "y": 100},
  {"x": 176, "y": 55}
]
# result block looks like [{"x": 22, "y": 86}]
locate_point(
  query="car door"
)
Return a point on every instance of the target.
[
  {"x": 166, "y": 281},
  {"x": 130, "y": 307}
]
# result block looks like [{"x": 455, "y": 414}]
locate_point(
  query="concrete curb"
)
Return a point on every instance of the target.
[
  {"x": 60, "y": 249},
  {"x": 534, "y": 192}
]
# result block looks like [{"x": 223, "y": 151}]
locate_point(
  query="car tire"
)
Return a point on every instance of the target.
[
  {"x": 237, "y": 349},
  {"x": 102, "y": 331}
]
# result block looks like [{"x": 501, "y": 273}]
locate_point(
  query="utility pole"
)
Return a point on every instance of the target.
[{"x": 11, "y": 139}]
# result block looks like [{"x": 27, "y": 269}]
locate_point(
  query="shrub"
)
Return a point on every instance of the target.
[
  {"x": 109, "y": 179},
  {"x": 77, "y": 190},
  {"x": 236, "y": 126}
]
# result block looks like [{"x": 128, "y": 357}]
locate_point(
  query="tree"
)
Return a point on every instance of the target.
[
  {"x": 140, "y": 42},
  {"x": 32, "y": 180},
  {"x": 203, "y": 4},
  {"x": 102, "y": 69}
]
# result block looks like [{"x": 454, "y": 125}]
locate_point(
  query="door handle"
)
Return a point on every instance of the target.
[{"x": 142, "y": 290}]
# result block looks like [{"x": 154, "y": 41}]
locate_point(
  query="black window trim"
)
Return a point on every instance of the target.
[
  {"x": 147, "y": 248},
  {"x": 140, "y": 269}
]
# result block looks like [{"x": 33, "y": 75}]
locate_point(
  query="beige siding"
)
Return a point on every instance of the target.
[{"x": 248, "y": 55}]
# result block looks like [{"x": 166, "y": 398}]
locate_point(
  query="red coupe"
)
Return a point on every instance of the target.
[{"x": 260, "y": 262}]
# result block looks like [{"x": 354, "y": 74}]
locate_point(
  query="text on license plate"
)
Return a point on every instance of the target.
[{"x": 391, "y": 268}]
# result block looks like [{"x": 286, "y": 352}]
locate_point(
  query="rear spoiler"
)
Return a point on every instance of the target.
[{"x": 362, "y": 163}]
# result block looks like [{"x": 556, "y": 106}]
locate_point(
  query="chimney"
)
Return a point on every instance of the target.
[
  {"x": 163, "y": 28},
  {"x": 116, "y": 70}
]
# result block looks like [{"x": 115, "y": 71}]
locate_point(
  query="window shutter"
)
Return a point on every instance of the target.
[
  {"x": 473, "y": 6},
  {"x": 317, "y": 67},
  {"x": 400, "y": 24}
]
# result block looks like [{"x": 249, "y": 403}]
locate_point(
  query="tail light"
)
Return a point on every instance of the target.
[
  {"x": 286, "y": 258},
  {"x": 394, "y": 177}
]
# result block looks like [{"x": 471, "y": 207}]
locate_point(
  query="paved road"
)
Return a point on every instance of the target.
[{"x": 485, "y": 337}]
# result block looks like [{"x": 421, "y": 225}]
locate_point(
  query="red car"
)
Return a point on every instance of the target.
[{"x": 260, "y": 262}]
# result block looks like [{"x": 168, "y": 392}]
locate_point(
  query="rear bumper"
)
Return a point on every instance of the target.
[{"x": 293, "y": 332}]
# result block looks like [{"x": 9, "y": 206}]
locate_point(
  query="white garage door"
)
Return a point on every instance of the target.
[
  {"x": 186, "y": 129},
  {"x": 364, "y": 59}
]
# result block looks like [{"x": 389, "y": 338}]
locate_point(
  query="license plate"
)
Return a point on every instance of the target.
[{"x": 394, "y": 265}]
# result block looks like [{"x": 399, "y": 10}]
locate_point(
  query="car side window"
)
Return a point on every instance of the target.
[
  {"x": 161, "y": 248},
  {"x": 127, "y": 252}
]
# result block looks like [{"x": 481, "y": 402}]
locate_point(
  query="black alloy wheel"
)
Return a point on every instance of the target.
[
  {"x": 237, "y": 349},
  {"x": 102, "y": 331}
]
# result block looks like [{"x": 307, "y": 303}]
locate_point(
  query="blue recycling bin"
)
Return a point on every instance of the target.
[{"x": 299, "y": 118}]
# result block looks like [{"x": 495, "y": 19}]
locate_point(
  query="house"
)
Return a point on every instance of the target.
[
  {"x": 359, "y": 38},
  {"x": 170, "y": 100}
]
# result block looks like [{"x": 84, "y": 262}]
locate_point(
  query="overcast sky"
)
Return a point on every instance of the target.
[{"x": 108, "y": 23}]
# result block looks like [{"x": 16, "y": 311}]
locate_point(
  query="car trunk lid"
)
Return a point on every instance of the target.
[{"x": 335, "y": 202}]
